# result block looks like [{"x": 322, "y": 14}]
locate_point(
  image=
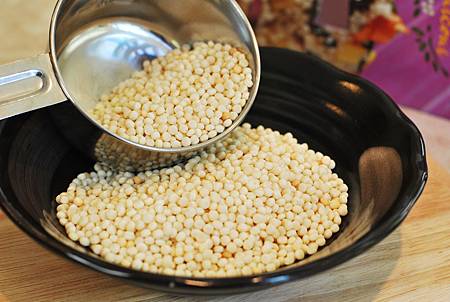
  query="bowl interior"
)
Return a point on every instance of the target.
[{"x": 378, "y": 152}]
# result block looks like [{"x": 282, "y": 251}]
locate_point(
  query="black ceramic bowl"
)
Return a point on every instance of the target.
[{"x": 378, "y": 151}]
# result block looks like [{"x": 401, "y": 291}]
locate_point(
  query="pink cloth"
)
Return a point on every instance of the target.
[{"x": 413, "y": 68}]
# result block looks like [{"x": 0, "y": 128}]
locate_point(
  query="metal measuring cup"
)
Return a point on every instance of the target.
[{"x": 96, "y": 44}]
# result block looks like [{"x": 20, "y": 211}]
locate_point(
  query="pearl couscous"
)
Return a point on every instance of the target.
[
  {"x": 250, "y": 204},
  {"x": 184, "y": 98}
]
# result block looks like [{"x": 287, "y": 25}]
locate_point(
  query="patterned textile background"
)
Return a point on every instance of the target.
[
  {"x": 402, "y": 45},
  {"x": 414, "y": 67}
]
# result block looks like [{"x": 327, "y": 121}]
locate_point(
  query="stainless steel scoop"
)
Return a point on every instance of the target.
[{"x": 96, "y": 44}]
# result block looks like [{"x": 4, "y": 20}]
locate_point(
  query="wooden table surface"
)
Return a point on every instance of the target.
[{"x": 412, "y": 264}]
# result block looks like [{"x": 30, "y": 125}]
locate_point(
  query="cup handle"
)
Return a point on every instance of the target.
[{"x": 28, "y": 84}]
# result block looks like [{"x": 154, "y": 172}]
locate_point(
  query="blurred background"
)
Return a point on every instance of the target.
[{"x": 401, "y": 45}]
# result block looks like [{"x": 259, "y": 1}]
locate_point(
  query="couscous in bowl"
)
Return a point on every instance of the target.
[{"x": 378, "y": 152}]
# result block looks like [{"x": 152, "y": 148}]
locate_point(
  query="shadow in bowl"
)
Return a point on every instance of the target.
[{"x": 378, "y": 152}]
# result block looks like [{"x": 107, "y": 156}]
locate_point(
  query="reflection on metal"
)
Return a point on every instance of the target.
[
  {"x": 99, "y": 46},
  {"x": 32, "y": 79},
  {"x": 28, "y": 84},
  {"x": 114, "y": 49},
  {"x": 126, "y": 158}
]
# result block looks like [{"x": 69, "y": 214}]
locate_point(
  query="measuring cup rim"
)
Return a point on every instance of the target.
[{"x": 192, "y": 148}]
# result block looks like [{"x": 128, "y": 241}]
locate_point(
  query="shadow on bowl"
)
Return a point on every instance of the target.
[{"x": 378, "y": 152}]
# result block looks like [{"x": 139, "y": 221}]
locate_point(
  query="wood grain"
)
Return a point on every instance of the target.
[
  {"x": 24, "y": 27},
  {"x": 436, "y": 132},
  {"x": 412, "y": 264}
]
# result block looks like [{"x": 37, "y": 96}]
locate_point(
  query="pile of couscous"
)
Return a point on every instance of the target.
[{"x": 252, "y": 203}]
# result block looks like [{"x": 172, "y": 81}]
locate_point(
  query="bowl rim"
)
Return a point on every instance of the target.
[{"x": 253, "y": 282}]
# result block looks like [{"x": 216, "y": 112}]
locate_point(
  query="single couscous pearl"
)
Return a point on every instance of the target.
[
  {"x": 241, "y": 207},
  {"x": 181, "y": 99}
]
